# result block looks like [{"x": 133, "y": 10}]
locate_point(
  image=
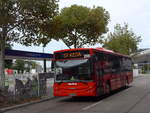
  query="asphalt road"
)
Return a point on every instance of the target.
[{"x": 134, "y": 99}]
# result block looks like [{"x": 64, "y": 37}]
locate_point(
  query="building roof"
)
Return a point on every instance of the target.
[{"x": 141, "y": 56}]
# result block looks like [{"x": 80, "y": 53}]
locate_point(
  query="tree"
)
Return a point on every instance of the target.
[
  {"x": 30, "y": 65},
  {"x": 77, "y": 26},
  {"x": 8, "y": 63},
  {"x": 22, "y": 21},
  {"x": 21, "y": 65},
  {"x": 122, "y": 40}
]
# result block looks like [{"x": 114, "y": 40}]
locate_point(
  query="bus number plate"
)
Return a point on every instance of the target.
[
  {"x": 70, "y": 84},
  {"x": 72, "y": 94}
]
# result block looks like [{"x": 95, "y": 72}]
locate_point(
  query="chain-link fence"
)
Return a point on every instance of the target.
[{"x": 28, "y": 86}]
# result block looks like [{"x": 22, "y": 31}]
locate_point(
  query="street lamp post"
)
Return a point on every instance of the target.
[{"x": 44, "y": 63}]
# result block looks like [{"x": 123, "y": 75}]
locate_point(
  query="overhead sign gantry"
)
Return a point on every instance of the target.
[{"x": 17, "y": 54}]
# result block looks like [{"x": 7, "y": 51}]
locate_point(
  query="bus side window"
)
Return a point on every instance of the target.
[
  {"x": 129, "y": 65},
  {"x": 113, "y": 59},
  {"x": 123, "y": 64},
  {"x": 99, "y": 63},
  {"x": 106, "y": 63},
  {"x": 116, "y": 64},
  {"x": 101, "y": 59}
]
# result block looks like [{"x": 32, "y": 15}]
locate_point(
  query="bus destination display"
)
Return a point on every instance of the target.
[{"x": 71, "y": 54}]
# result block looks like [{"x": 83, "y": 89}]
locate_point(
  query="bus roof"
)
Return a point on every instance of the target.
[
  {"x": 110, "y": 52},
  {"x": 96, "y": 49},
  {"x": 72, "y": 49}
]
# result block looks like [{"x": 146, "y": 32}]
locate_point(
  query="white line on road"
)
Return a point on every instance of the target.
[{"x": 92, "y": 105}]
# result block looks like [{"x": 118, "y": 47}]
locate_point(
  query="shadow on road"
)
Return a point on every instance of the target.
[{"x": 94, "y": 99}]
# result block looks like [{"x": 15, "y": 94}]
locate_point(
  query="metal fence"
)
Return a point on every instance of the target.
[{"x": 28, "y": 86}]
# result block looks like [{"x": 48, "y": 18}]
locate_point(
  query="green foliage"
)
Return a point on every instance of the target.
[
  {"x": 22, "y": 20},
  {"x": 8, "y": 64},
  {"x": 78, "y": 26},
  {"x": 122, "y": 40},
  {"x": 22, "y": 65},
  {"x": 19, "y": 65}
]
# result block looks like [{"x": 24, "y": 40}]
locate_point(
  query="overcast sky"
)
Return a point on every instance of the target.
[{"x": 134, "y": 12}]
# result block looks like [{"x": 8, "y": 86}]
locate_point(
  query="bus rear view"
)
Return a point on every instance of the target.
[{"x": 73, "y": 73}]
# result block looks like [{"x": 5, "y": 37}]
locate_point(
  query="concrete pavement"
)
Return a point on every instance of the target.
[{"x": 134, "y": 99}]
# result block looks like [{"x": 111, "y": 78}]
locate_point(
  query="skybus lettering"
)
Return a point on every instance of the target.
[{"x": 72, "y": 55}]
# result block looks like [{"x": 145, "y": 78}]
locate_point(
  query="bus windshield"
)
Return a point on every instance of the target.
[{"x": 73, "y": 70}]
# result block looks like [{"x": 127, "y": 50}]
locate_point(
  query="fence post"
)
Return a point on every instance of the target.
[{"x": 38, "y": 86}]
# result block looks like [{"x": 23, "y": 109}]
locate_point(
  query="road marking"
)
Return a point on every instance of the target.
[{"x": 92, "y": 105}]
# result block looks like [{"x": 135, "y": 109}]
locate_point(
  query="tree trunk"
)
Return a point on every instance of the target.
[
  {"x": 75, "y": 44},
  {"x": 75, "y": 39},
  {"x": 2, "y": 59}
]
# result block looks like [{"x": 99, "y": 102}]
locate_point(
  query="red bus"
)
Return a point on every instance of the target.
[{"x": 90, "y": 71}]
